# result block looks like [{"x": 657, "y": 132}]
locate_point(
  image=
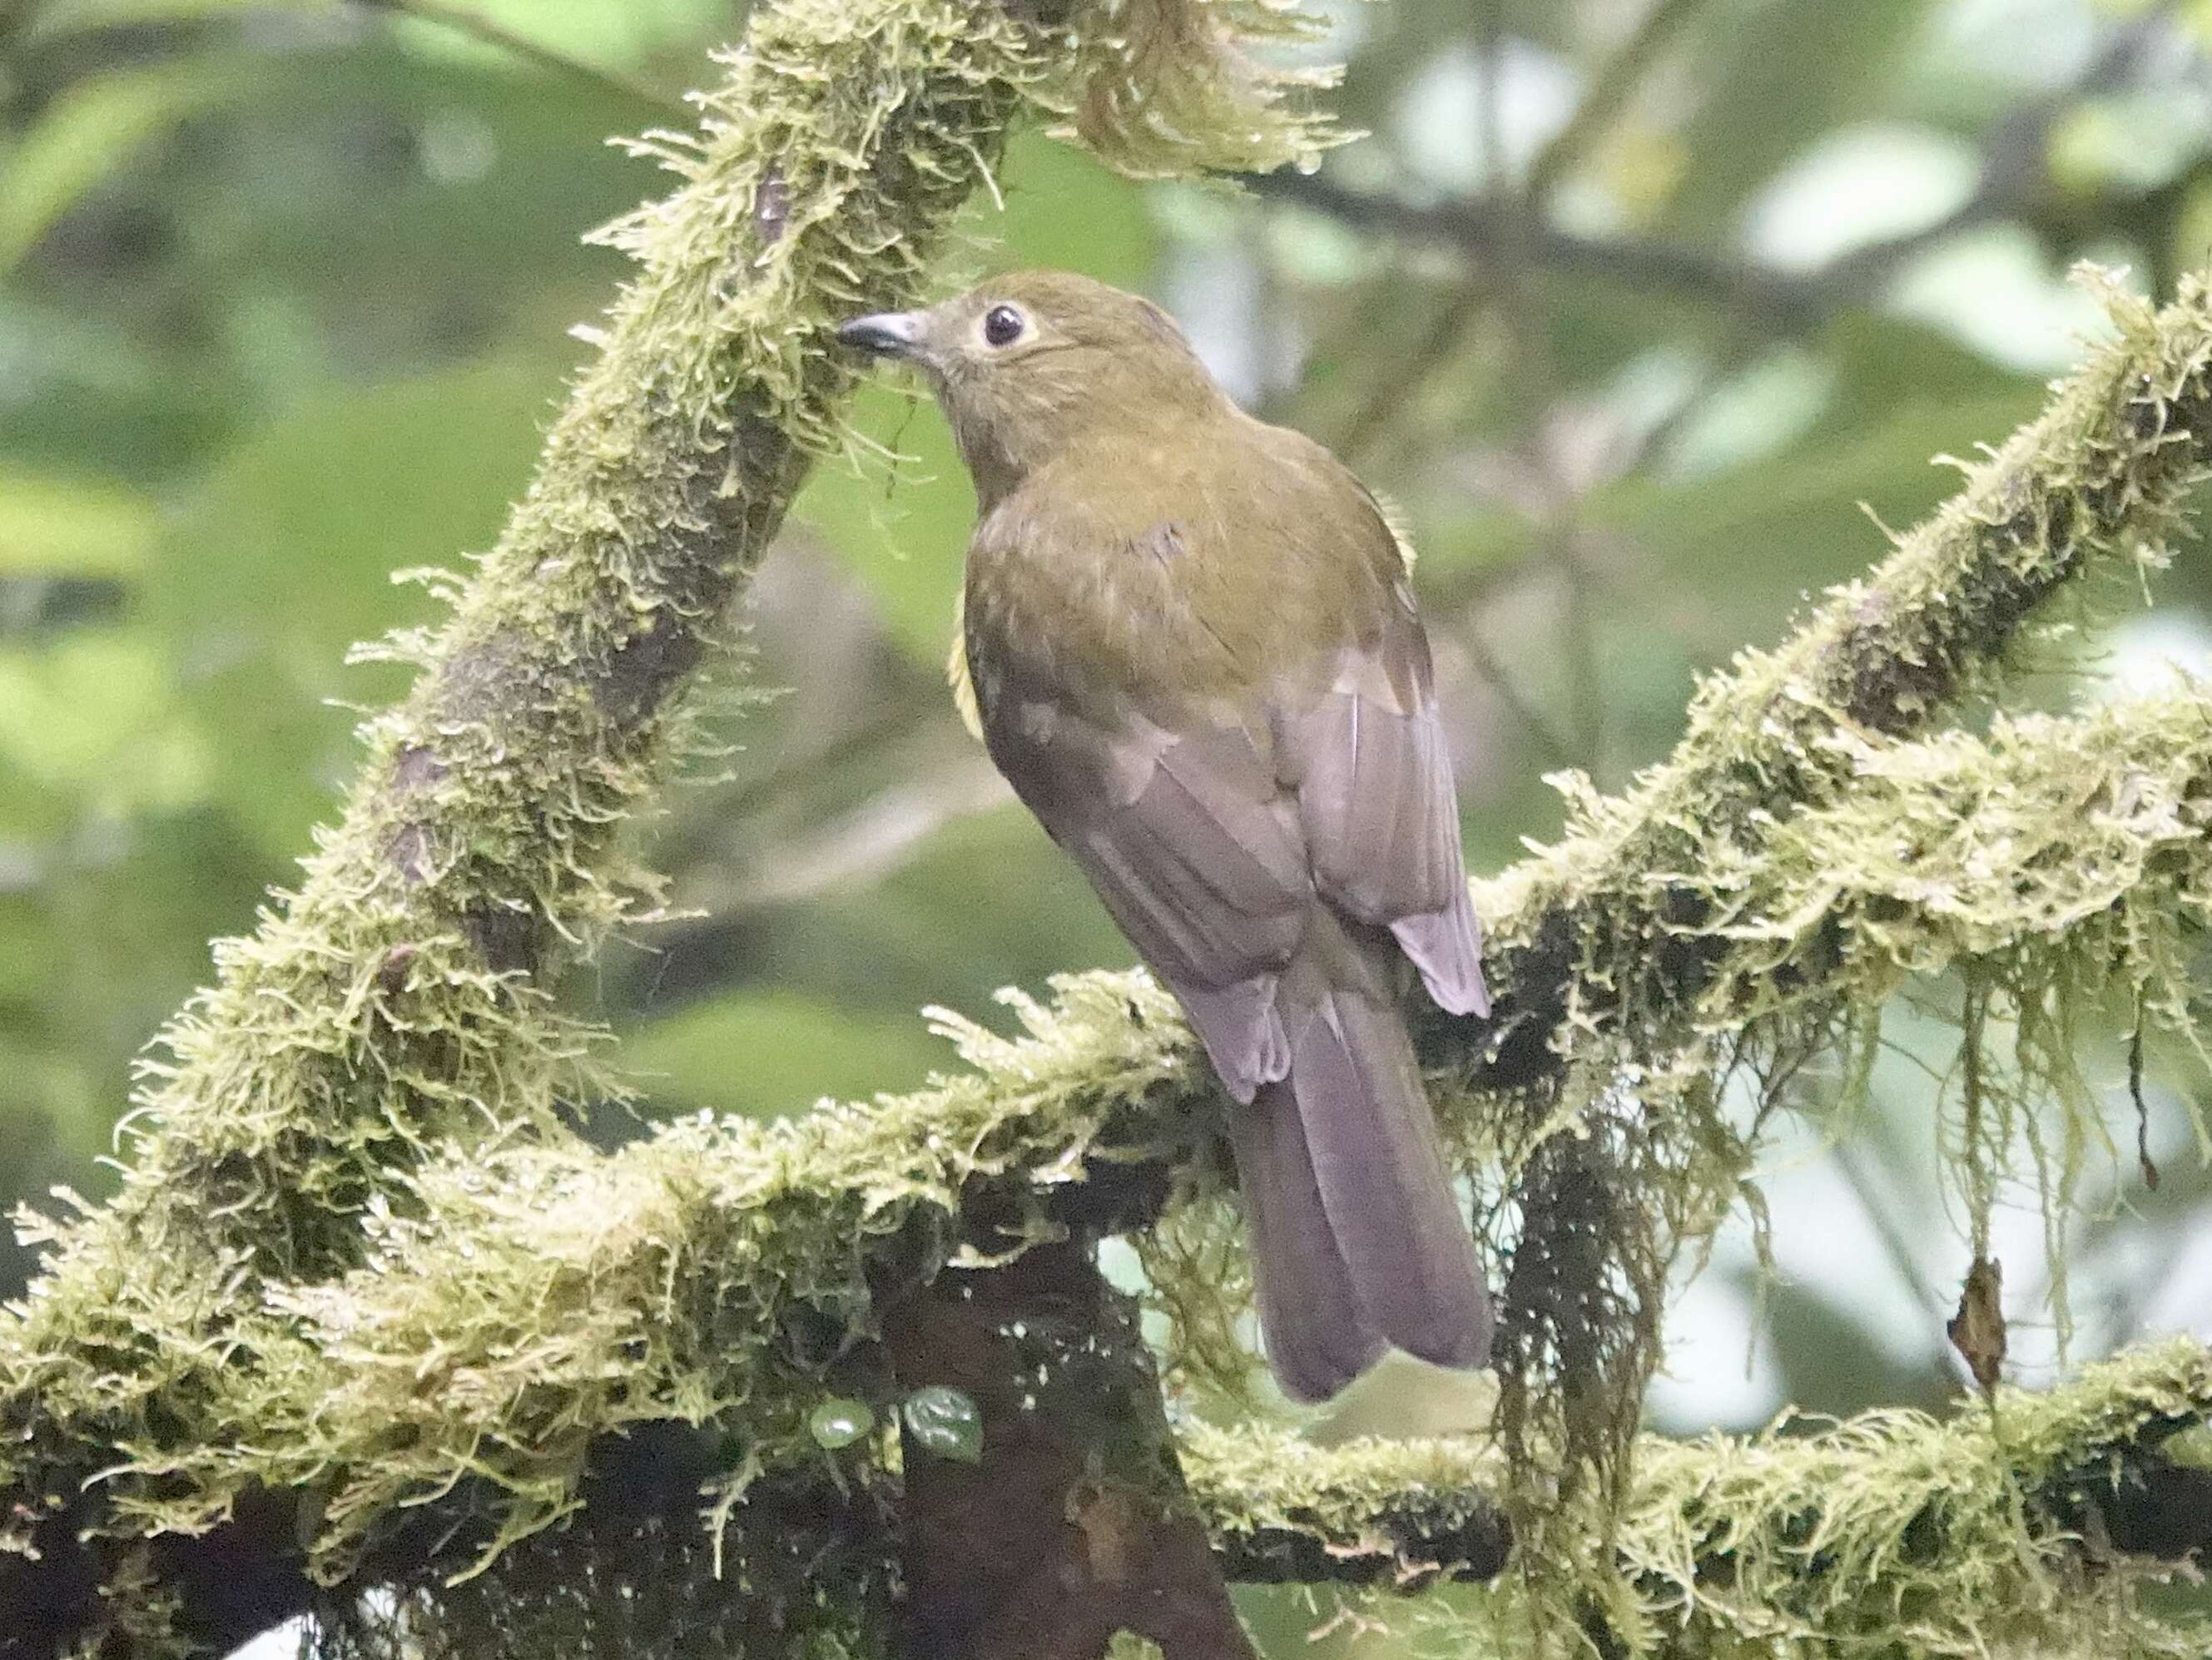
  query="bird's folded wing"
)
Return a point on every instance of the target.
[
  {"x": 1195, "y": 849},
  {"x": 1378, "y": 808}
]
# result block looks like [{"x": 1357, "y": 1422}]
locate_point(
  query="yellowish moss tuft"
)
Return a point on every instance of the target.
[{"x": 1164, "y": 88}]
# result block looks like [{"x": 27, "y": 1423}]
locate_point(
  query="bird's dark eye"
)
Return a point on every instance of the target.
[{"x": 1002, "y": 326}]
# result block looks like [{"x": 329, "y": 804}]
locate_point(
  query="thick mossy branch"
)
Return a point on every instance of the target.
[
  {"x": 530, "y": 1301},
  {"x": 398, "y": 1002},
  {"x": 2020, "y": 1529},
  {"x": 521, "y": 1305},
  {"x": 533, "y": 1301},
  {"x": 1620, "y": 927}
]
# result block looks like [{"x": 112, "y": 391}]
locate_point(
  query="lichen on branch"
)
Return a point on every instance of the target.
[
  {"x": 534, "y": 1302},
  {"x": 2081, "y": 497}
]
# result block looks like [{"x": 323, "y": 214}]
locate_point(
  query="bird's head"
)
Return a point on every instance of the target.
[{"x": 1028, "y": 364}]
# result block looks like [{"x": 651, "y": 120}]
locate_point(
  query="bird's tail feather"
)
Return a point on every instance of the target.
[
  {"x": 1316, "y": 1337},
  {"x": 1356, "y": 1238}
]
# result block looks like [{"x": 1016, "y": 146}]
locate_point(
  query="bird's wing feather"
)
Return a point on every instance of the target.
[
  {"x": 1377, "y": 806},
  {"x": 1194, "y": 847}
]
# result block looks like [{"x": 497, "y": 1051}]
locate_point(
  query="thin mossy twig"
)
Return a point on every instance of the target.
[{"x": 1974, "y": 1534}]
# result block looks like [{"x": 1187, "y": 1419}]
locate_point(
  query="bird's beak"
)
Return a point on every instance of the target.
[{"x": 884, "y": 333}]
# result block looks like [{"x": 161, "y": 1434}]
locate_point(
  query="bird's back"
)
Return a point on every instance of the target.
[{"x": 1217, "y": 559}]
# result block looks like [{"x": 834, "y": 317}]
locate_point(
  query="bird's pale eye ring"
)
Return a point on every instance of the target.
[{"x": 1002, "y": 325}]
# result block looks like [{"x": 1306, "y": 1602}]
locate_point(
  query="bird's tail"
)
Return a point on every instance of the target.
[{"x": 1356, "y": 1240}]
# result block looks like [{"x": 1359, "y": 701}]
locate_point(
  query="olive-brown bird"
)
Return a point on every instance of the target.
[{"x": 1197, "y": 660}]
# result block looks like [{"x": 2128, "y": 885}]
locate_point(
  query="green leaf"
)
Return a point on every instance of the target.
[
  {"x": 1885, "y": 364},
  {"x": 1780, "y": 77},
  {"x": 938, "y": 932},
  {"x": 618, "y": 36},
  {"x": 2192, "y": 1448},
  {"x": 1740, "y": 545},
  {"x": 59, "y": 17},
  {"x": 82, "y": 139},
  {"x": 54, "y": 526},
  {"x": 839, "y": 1423},
  {"x": 89, "y": 723},
  {"x": 282, "y": 560},
  {"x": 90, "y": 397},
  {"x": 1831, "y": 1363}
]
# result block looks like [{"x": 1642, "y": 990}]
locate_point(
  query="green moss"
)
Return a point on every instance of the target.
[
  {"x": 1893, "y": 1535},
  {"x": 531, "y": 1301},
  {"x": 1257, "y": 1479},
  {"x": 1687, "y": 916},
  {"x": 1166, "y": 88}
]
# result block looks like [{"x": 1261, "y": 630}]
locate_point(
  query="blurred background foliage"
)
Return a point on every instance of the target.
[{"x": 1650, "y": 313}]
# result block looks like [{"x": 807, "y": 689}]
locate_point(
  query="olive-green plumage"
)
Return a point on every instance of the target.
[{"x": 1196, "y": 659}]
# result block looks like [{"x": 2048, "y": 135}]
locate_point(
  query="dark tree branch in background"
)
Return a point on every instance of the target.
[
  {"x": 1478, "y": 228},
  {"x": 1489, "y": 229},
  {"x": 2015, "y": 160},
  {"x": 1609, "y": 94},
  {"x": 851, "y": 849}
]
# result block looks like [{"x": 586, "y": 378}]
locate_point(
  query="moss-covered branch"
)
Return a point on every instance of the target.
[
  {"x": 2014, "y": 1529},
  {"x": 1611, "y": 928},
  {"x": 542, "y": 1300},
  {"x": 1620, "y": 952}
]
